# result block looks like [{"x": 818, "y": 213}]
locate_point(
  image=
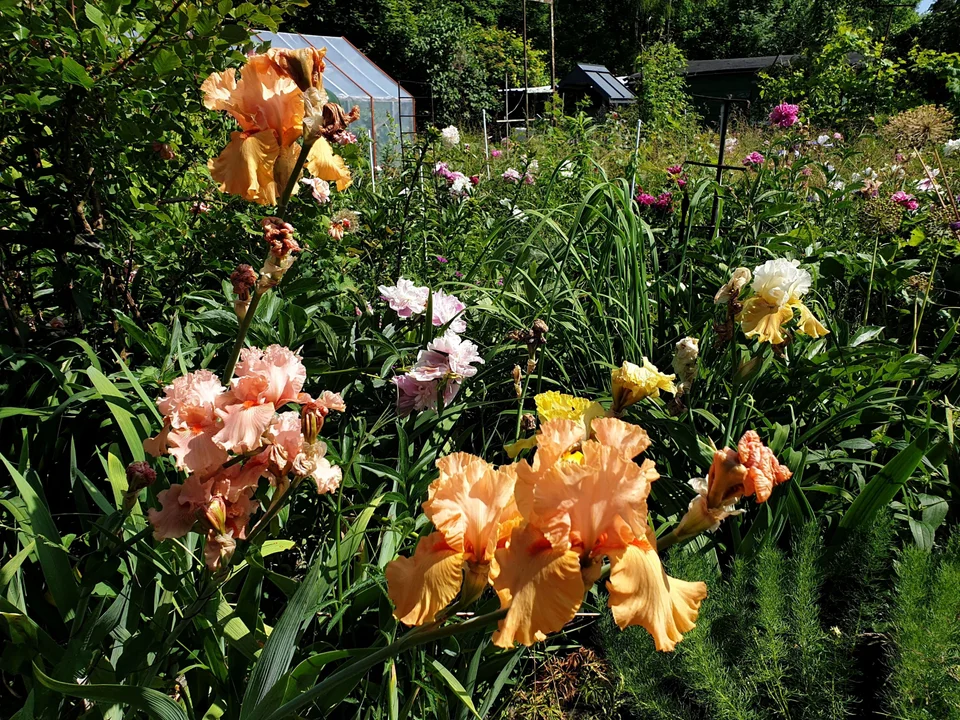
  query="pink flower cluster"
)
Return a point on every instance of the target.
[
  {"x": 437, "y": 374},
  {"x": 675, "y": 173},
  {"x": 204, "y": 423},
  {"x": 754, "y": 159},
  {"x": 905, "y": 200},
  {"x": 407, "y": 300},
  {"x": 784, "y": 115},
  {"x": 512, "y": 175},
  {"x": 460, "y": 185},
  {"x": 662, "y": 202}
]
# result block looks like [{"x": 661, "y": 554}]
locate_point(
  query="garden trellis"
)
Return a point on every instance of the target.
[{"x": 386, "y": 108}]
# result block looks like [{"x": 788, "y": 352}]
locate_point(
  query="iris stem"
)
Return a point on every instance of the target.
[{"x": 255, "y": 300}]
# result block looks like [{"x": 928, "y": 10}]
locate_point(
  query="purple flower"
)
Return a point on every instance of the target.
[
  {"x": 955, "y": 226},
  {"x": 753, "y": 159},
  {"x": 681, "y": 182},
  {"x": 500, "y": 282},
  {"x": 528, "y": 179},
  {"x": 899, "y": 158},
  {"x": 495, "y": 153},
  {"x": 457, "y": 274},
  {"x": 675, "y": 170},
  {"x": 645, "y": 199},
  {"x": 806, "y": 172},
  {"x": 663, "y": 201},
  {"x": 905, "y": 200},
  {"x": 784, "y": 115},
  {"x": 442, "y": 260}
]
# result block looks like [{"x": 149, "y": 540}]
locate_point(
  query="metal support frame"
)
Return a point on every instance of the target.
[{"x": 725, "y": 104}]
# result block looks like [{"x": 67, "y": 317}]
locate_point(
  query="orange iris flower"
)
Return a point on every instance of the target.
[
  {"x": 471, "y": 506},
  {"x": 538, "y": 532},
  {"x": 268, "y": 103},
  {"x": 580, "y": 507}
]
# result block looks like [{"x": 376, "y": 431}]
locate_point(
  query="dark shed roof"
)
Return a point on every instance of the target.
[
  {"x": 598, "y": 79},
  {"x": 735, "y": 65}
]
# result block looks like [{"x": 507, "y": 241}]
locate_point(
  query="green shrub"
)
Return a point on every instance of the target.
[{"x": 662, "y": 92}]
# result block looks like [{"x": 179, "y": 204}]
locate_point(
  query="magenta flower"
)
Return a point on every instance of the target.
[
  {"x": 457, "y": 274},
  {"x": 784, "y": 115},
  {"x": 645, "y": 199},
  {"x": 753, "y": 159},
  {"x": 663, "y": 201},
  {"x": 675, "y": 170},
  {"x": 905, "y": 200},
  {"x": 442, "y": 260}
]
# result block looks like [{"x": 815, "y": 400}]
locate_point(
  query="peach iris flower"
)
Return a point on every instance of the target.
[
  {"x": 265, "y": 381},
  {"x": 582, "y": 501},
  {"x": 471, "y": 506},
  {"x": 268, "y": 104},
  {"x": 190, "y": 423}
]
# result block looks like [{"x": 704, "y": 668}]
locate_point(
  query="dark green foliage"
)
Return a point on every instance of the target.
[{"x": 812, "y": 633}]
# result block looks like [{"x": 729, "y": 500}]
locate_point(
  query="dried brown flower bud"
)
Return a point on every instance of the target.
[
  {"x": 540, "y": 330},
  {"x": 279, "y": 236},
  {"x": 244, "y": 278},
  {"x": 304, "y": 66},
  {"x": 528, "y": 423}
]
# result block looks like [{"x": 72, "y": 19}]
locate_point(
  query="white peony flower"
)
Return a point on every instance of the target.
[
  {"x": 461, "y": 186},
  {"x": 951, "y": 146},
  {"x": 450, "y": 136},
  {"x": 781, "y": 281}
]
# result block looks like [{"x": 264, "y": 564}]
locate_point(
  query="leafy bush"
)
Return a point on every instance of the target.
[{"x": 661, "y": 90}]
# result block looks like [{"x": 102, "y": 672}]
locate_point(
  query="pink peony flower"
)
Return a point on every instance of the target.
[
  {"x": 319, "y": 188},
  {"x": 414, "y": 395},
  {"x": 905, "y": 200},
  {"x": 675, "y": 170},
  {"x": 495, "y": 153},
  {"x": 447, "y": 308},
  {"x": 405, "y": 298},
  {"x": 511, "y": 175},
  {"x": 753, "y": 159},
  {"x": 645, "y": 199},
  {"x": 447, "y": 357},
  {"x": 784, "y": 115}
]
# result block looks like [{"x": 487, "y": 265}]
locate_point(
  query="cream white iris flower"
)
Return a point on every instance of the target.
[{"x": 778, "y": 286}]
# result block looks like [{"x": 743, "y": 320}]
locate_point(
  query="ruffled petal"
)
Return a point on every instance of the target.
[
  {"x": 195, "y": 450},
  {"x": 631, "y": 440},
  {"x": 423, "y": 585},
  {"x": 726, "y": 478},
  {"x": 174, "y": 519},
  {"x": 762, "y": 320},
  {"x": 641, "y": 593},
  {"x": 809, "y": 325},
  {"x": 157, "y": 445},
  {"x": 245, "y": 167},
  {"x": 323, "y": 164},
  {"x": 243, "y": 426},
  {"x": 763, "y": 470},
  {"x": 540, "y": 584}
]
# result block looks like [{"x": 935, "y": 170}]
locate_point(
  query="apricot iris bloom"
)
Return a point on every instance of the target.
[
  {"x": 268, "y": 103},
  {"x": 471, "y": 506},
  {"x": 582, "y": 501}
]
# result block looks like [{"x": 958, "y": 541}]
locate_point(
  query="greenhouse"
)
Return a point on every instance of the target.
[{"x": 386, "y": 109}]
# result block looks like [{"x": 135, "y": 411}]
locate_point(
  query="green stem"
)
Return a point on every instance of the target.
[
  {"x": 873, "y": 265},
  {"x": 255, "y": 300},
  {"x": 355, "y": 669}
]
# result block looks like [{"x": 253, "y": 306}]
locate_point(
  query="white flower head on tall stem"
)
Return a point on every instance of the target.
[
  {"x": 780, "y": 281},
  {"x": 450, "y": 136}
]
